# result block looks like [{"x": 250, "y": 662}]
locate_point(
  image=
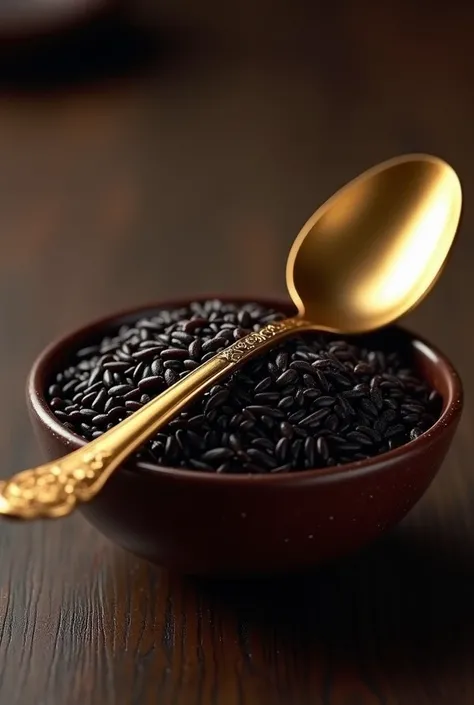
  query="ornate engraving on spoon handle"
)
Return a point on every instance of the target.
[
  {"x": 252, "y": 341},
  {"x": 53, "y": 490}
]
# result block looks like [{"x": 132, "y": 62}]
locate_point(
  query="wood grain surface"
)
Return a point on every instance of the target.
[{"x": 136, "y": 167}]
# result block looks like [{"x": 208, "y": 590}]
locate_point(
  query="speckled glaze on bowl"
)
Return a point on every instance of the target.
[{"x": 239, "y": 525}]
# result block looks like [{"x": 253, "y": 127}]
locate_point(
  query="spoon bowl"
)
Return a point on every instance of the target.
[{"x": 364, "y": 258}]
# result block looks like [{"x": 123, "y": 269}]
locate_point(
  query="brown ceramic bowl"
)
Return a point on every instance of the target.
[{"x": 208, "y": 524}]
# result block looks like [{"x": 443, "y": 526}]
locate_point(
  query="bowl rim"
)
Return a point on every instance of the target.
[{"x": 36, "y": 397}]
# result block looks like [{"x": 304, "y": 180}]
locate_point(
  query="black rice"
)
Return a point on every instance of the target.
[{"x": 314, "y": 401}]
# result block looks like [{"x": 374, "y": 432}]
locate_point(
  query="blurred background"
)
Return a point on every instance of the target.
[{"x": 157, "y": 149}]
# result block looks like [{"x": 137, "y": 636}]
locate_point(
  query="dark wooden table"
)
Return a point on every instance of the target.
[{"x": 190, "y": 170}]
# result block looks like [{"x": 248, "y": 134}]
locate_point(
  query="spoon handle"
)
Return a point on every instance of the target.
[{"x": 53, "y": 490}]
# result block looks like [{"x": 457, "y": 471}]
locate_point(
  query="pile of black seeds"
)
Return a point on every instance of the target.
[{"x": 311, "y": 402}]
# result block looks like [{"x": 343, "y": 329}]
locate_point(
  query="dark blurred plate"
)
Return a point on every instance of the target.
[{"x": 22, "y": 18}]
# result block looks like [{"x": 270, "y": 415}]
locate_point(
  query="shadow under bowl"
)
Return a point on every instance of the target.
[{"x": 240, "y": 525}]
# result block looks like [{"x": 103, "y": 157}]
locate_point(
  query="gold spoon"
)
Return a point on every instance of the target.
[{"x": 367, "y": 256}]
